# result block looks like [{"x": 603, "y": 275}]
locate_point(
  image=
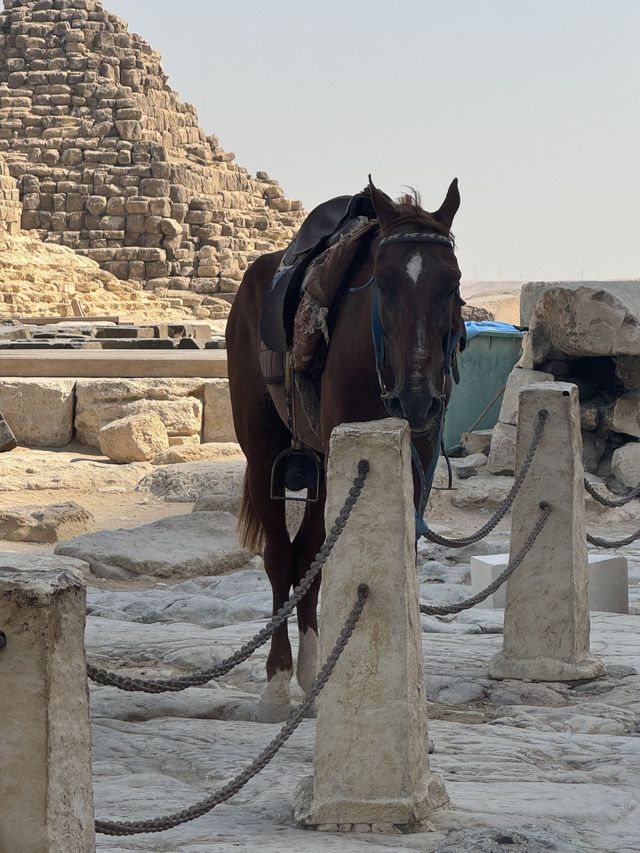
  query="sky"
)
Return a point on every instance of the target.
[{"x": 533, "y": 104}]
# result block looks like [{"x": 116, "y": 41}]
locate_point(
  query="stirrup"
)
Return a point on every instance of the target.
[{"x": 294, "y": 470}]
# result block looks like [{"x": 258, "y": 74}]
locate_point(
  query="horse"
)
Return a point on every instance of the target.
[{"x": 411, "y": 273}]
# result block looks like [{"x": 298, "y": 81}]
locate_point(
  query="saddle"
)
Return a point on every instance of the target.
[{"x": 324, "y": 225}]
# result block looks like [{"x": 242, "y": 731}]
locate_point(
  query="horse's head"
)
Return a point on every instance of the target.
[{"x": 416, "y": 281}]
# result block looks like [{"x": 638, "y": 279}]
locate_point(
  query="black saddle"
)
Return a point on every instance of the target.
[{"x": 325, "y": 222}]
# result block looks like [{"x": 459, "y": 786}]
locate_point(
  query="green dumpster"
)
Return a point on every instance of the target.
[{"x": 491, "y": 353}]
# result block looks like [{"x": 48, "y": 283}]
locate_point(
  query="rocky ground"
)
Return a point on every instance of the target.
[{"x": 529, "y": 767}]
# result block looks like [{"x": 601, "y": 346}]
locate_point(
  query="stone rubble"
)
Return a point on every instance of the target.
[
  {"x": 135, "y": 438},
  {"x": 45, "y": 523}
]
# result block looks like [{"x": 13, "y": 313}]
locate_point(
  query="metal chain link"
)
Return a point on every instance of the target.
[
  {"x": 458, "y": 607},
  {"x": 197, "y": 679},
  {"x": 121, "y": 828},
  {"x": 612, "y": 502},
  {"x": 506, "y": 505},
  {"x": 613, "y": 543}
]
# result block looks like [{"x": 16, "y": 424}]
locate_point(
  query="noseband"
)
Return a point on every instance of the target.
[{"x": 425, "y": 478}]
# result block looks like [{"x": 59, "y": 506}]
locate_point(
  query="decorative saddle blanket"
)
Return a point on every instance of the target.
[{"x": 330, "y": 226}]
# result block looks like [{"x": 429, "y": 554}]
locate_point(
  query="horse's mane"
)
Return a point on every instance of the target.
[{"x": 409, "y": 210}]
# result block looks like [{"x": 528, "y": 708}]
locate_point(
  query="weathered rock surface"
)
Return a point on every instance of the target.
[
  {"x": 503, "y": 449},
  {"x": 190, "y": 481},
  {"x": 38, "y": 470},
  {"x": 478, "y": 441},
  {"x": 52, "y": 523},
  {"x": 218, "y": 417},
  {"x": 624, "y": 416},
  {"x": 518, "y": 379},
  {"x": 211, "y": 451},
  {"x": 177, "y": 402},
  {"x": 625, "y": 464},
  {"x": 182, "y": 546},
  {"x": 39, "y": 411},
  {"x": 136, "y": 438},
  {"x": 586, "y": 319}
]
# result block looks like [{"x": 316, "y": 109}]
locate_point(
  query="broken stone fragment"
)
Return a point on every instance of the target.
[{"x": 136, "y": 438}]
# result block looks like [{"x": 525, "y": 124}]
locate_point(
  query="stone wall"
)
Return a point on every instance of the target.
[
  {"x": 190, "y": 409},
  {"x": 10, "y": 206},
  {"x": 112, "y": 164},
  {"x": 587, "y": 334}
]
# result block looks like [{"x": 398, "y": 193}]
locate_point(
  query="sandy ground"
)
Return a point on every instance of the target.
[{"x": 532, "y": 768}]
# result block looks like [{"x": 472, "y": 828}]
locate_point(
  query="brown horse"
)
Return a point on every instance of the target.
[{"x": 416, "y": 284}]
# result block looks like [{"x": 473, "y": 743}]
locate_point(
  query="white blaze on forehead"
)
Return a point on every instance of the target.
[{"x": 414, "y": 267}]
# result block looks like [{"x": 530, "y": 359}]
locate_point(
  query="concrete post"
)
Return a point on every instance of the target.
[
  {"x": 546, "y": 623},
  {"x": 371, "y": 760},
  {"x": 46, "y": 798}
]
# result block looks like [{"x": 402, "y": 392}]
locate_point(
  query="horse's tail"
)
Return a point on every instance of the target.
[{"x": 250, "y": 529}]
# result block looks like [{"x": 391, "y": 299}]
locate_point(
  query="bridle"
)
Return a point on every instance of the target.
[
  {"x": 376, "y": 323},
  {"x": 453, "y": 339}
]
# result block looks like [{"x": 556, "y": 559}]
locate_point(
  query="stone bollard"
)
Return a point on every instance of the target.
[
  {"x": 546, "y": 621},
  {"x": 371, "y": 767},
  {"x": 46, "y": 798}
]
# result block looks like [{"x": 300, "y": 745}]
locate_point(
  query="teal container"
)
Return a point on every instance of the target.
[{"x": 484, "y": 367}]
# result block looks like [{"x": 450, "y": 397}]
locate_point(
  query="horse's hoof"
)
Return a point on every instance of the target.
[
  {"x": 270, "y": 713},
  {"x": 432, "y": 746}
]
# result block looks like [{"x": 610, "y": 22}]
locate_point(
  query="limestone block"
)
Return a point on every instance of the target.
[
  {"x": 218, "y": 417},
  {"x": 178, "y": 402},
  {"x": 478, "y": 441},
  {"x": 374, "y": 704},
  {"x": 136, "y": 438},
  {"x": 187, "y": 481},
  {"x": 49, "y": 523},
  {"x": 39, "y": 411},
  {"x": 547, "y": 626},
  {"x": 200, "y": 543},
  {"x": 199, "y": 453},
  {"x": 624, "y": 417},
  {"x": 608, "y": 581},
  {"x": 46, "y": 798},
  {"x": 625, "y": 465},
  {"x": 518, "y": 378},
  {"x": 587, "y": 319},
  {"x": 503, "y": 449}
]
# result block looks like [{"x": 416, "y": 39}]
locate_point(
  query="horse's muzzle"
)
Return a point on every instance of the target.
[{"x": 423, "y": 411}]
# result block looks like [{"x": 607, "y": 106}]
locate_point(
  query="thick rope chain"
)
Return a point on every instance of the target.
[
  {"x": 506, "y": 505},
  {"x": 197, "y": 679},
  {"x": 458, "y": 607},
  {"x": 612, "y": 502},
  {"x": 105, "y": 827},
  {"x": 613, "y": 543}
]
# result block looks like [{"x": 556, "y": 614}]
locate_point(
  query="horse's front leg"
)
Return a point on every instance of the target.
[{"x": 307, "y": 544}]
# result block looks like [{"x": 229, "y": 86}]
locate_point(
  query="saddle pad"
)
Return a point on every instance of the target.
[{"x": 322, "y": 286}]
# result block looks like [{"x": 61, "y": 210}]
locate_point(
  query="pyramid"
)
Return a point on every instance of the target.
[{"x": 110, "y": 163}]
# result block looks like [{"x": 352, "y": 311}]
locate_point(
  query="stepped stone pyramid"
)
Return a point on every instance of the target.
[{"x": 110, "y": 162}]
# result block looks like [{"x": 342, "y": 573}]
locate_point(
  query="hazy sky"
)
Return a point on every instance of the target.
[{"x": 533, "y": 104}]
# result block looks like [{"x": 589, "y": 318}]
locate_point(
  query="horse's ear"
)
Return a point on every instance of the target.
[
  {"x": 450, "y": 205},
  {"x": 382, "y": 204}
]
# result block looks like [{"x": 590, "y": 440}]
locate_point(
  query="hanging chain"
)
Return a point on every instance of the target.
[
  {"x": 612, "y": 502},
  {"x": 197, "y": 679},
  {"x": 506, "y": 505},
  {"x": 105, "y": 827},
  {"x": 613, "y": 543},
  {"x": 458, "y": 607}
]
